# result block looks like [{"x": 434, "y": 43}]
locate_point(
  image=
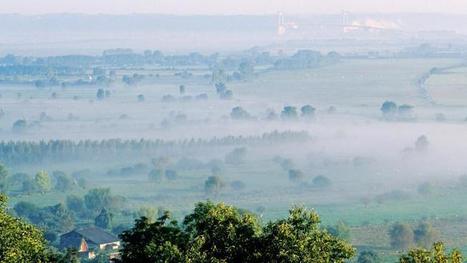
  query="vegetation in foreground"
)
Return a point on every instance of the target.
[{"x": 212, "y": 233}]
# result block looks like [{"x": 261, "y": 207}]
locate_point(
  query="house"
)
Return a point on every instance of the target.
[{"x": 90, "y": 241}]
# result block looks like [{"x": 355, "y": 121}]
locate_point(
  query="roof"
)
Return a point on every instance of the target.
[{"x": 95, "y": 235}]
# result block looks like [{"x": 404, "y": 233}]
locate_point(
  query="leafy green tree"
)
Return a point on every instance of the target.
[
  {"x": 148, "y": 212},
  {"x": 222, "y": 233},
  {"x": 296, "y": 176},
  {"x": 213, "y": 185},
  {"x": 43, "y": 182},
  {"x": 422, "y": 143},
  {"x": 389, "y": 109},
  {"x": 368, "y": 256},
  {"x": 425, "y": 235},
  {"x": 76, "y": 205},
  {"x": 436, "y": 255},
  {"x": 20, "y": 241},
  {"x": 20, "y": 126},
  {"x": 100, "y": 95},
  {"x": 308, "y": 111},
  {"x": 104, "y": 219},
  {"x": 28, "y": 186},
  {"x": 162, "y": 241},
  {"x": 97, "y": 199},
  {"x": 299, "y": 239},
  {"x": 3, "y": 178},
  {"x": 401, "y": 236},
  {"x": 238, "y": 113},
  {"x": 289, "y": 113},
  {"x": 63, "y": 182},
  {"x": 225, "y": 234}
]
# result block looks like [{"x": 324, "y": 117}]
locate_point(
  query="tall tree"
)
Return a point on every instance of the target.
[{"x": 43, "y": 182}]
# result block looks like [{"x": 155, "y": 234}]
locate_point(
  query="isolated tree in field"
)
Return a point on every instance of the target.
[
  {"x": 104, "y": 219},
  {"x": 436, "y": 255},
  {"x": 425, "y": 235},
  {"x": 238, "y": 113},
  {"x": 43, "y": 182},
  {"x": 100, "y": 95},
  {"x": 213, "y": 185},
  {"x": 182, "y": 89},
  {"x": 401, "y": 236},
  {"x": 389, "y": 109},
  {"x": 19, "y": 241},
  {"x": 368, "y": 256},
  {"x": 289, "y": 113},
  {"x": 308, "y": 111},
  {"x": 20, "y": 126},
  {"x": 140, "y": 98},
  {"x": 422, "y": 144},
  {"x": 321, "y": 181},
  {"x": 296, "y": 176}
]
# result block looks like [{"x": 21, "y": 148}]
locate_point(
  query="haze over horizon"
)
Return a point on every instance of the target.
[{"x": 220, "y": 7}]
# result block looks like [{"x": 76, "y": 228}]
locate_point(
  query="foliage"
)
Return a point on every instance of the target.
[
  {"x": 63, "y": 182},
  {"x": 299, "y": 238},
  {"x": 213, "y": 185},
  {"x": 296, "y": 176},
  {"x": 3, "y": 178},
  {"x": 425, "y": 235},
  {"x": 19, "y": 241},
  {"x": 436, "y": 255},
  {"x": 368, "y": 256},
  {"x": 289, "y": 113},
  {"x": 389, "y": 109},
  {"x": 401, "y": 236},
  {"x": 98, "y": 198},
  {"x": 222, "y": 233},
  {"x": 238, "y": 113},
  {"x": 308, "y": 111},
  {"x": 104, "y": 219},
  {"x": 43, "y": 182}
]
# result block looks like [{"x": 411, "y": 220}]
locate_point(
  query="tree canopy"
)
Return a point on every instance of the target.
[
  {"x": 222, "y": 233},
  {"x": 19, "y": 241}
]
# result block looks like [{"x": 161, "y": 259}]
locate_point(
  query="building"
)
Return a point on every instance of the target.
[{"x": 90, "y": 241}]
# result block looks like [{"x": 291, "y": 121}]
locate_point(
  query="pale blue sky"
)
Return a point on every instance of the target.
[{"x": 229, "y": 6}]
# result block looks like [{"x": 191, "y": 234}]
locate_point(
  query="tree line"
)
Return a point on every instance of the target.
[{"x": 19, "y": 152}]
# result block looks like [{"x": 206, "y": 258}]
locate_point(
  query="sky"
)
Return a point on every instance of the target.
[{"x": 188, "y": 7}]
